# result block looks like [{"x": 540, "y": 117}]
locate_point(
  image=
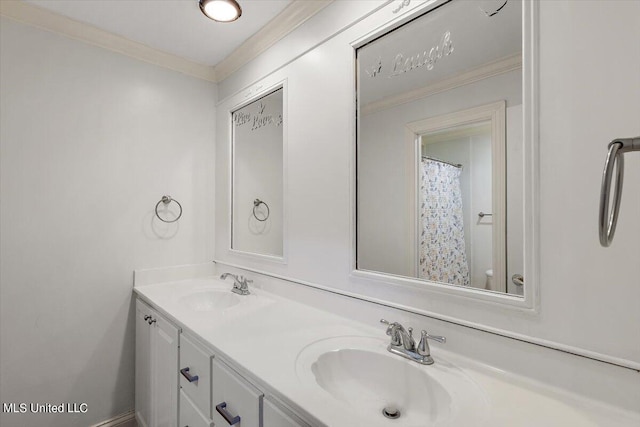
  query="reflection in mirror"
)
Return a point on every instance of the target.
[
  {"x": 461, "y": 197},
  {"x": 257, "y": 184},
  {"x": 439, "y": 148}
]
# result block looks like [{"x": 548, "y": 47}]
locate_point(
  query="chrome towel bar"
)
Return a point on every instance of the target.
[
  {"x": 609, "y": 218},
  {"x": 256, "y": 205},
  {"x": 166, "y": 200}
]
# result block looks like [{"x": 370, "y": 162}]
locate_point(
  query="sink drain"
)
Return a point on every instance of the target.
[{"x": 391, "y": 412}]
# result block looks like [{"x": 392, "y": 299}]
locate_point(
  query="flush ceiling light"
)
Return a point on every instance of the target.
[{"x": 221, "y": 10}]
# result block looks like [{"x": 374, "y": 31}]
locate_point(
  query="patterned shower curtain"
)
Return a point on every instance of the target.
[{"x": 442, "y": 248}]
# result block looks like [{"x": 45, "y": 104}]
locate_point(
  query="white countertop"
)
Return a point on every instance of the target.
[{"x": 264, "y": 335}]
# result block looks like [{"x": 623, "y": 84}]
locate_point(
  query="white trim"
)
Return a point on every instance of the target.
[
  {"x": 127, "y": 419},
  {"x": 289, "y": 19},
  {"x": 531, "y": 152},
  {"x": 50, "y": 21},
  {"x": 482, "y": 72}
]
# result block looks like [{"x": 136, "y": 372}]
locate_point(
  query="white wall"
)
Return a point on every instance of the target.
[
  {"x": 589, "y": 296},
  {"x": 90, "y": 141}
]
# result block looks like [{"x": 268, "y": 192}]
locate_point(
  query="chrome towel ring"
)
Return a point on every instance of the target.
[
  {"x": 166, "y": 200},
  {"x": 609, "y": 218},
  {"x": 256, "y": 205}
]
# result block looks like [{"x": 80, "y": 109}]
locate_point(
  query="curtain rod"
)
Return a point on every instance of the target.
[{"x": 457, "y": 165}]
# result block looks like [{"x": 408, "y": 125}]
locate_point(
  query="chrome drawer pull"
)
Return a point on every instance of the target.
[
  {"x": 185, "y": 373},
  {"x": 222, "y": 411}
]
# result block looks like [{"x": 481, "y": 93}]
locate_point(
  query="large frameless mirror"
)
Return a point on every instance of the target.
[
  {"x": 257, "y": 181},
  {"x": 439, "y": 148}
]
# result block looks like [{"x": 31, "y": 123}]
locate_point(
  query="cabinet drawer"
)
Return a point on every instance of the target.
[
  {"x": 190, "y": 416},
  {"x": 195, "y": 362},
  {"x": 235, "y": 401}
]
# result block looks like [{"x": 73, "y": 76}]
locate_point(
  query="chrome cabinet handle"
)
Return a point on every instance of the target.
[
  {"x": 151, "y": 321},
  {"x": 608, "y": 219},
  {"x": 185, "y": 373},
  {"x": 221, "y": 408},
  {"x": 147, "y": 317}
]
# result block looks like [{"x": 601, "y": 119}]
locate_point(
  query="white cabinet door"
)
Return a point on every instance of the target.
[
  {"x": 164, "y": 339},
  {"x": 274, "y": 415},
  {"x": 156, "y": 369},
  {"x": 143, "y": 365}
]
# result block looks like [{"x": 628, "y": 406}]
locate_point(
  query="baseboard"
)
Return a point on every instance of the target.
[{"x": 128, "y": 419}]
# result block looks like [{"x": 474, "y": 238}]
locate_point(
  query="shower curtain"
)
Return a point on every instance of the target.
[{"x": 442, "y": 248}]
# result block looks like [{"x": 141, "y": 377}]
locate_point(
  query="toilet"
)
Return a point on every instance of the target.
[{"x": 489, "y": 282}]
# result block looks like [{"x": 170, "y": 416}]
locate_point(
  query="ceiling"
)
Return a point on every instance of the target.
[{"x": 172, "y": 26}]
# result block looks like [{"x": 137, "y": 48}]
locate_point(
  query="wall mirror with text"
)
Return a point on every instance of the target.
[
  {"x": 257, "y": 176},
  {"x": 440, "y": 159}
]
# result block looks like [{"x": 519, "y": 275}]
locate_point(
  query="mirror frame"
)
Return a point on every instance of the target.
[
  {"x": 529, "y": 301},
  {"x": 260, "y": 92}
]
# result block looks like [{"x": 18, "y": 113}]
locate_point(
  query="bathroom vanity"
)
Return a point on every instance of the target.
[{"x": 208, "y": 356}]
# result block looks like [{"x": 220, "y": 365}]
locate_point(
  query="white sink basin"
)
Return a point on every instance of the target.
[
  {"x": 363, "y": 377},
  {"x": 210, "y": 300}
]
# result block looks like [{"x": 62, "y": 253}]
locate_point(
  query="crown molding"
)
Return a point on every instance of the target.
[
  {"x": 294, "y": 15},
  {"x": 279, "y": 27},
  {"x": 490, "y": 69},
  {"x": 50, "y": 21}
]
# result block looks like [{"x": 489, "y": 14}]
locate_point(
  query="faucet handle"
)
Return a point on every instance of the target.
[
  {"x": 438, "y": 338},
  {"x": 423, "y": 347},
  {"x": 389, "y": 325}
]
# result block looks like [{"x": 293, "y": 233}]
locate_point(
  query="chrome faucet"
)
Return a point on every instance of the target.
[
  {"x": 240, "y": 283},
  {"x": 403, "y": 344}
]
